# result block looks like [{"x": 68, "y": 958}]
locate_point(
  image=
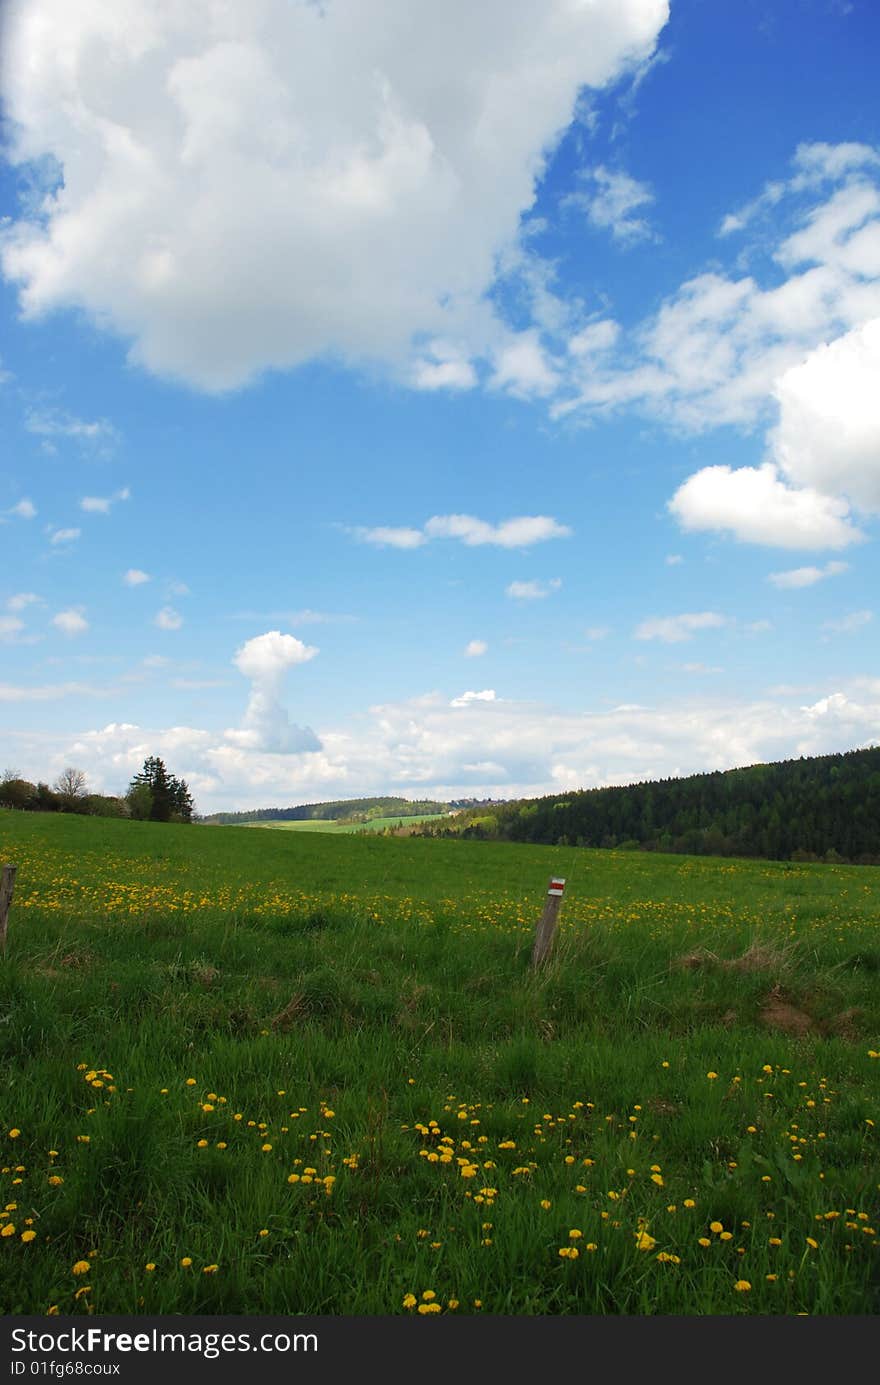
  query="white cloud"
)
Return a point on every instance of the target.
[
  {"x": 755, "y": 505},
  {"x": 499, "y": 748},
  {"x": 25, "y": 509},
  {"x": 675, "y": 629},
  {"x": 386, "y": 536},
  {"x": 71, "y": 622},
  {"x": 847, "y": 625},
  {"x": 700, "y": 668},
  {"x": 255, "y": 186},
  {"x": 102, "y": 504},
  {"x": 443, "y": 366},
  {"x": 532, "y": 591},
  {"x": 673, "y": 559},
  {"x": 135, "y": 577},
  {"x": 49, "y": 424},
  {"x": 594, "y": 339},
  {"x": 520, "y": 532},
  {"x": 10, "y": 628},
  {"x": 474, "y": 648},
  {"x": 523, "y": 368},
  {"x": 512, "y": 533},
  {"x": 49, "y": 692},
  {"x": 21, "y": 600},
  {"x": 168, "y": 619},
  {"x": 806, "y": 576},
  {"x": 596, "y": 632},
  {"x": 487, "y": 695},
  {"x": 265, "y": 660},
  {"x": 64, "y": 535},
  {"x": 609, "y": 200},
  {"x": 828, "y": 435},
  {"x": 712, "y": 351}
]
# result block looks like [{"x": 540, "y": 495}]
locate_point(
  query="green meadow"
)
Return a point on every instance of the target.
[
  {"x": 270, "y": 1072},
  {"x": 335, "y": 827}
]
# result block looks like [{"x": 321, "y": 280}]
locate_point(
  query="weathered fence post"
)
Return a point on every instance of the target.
[
  {"x": 7, "y": 883},
  {"x": 547, "y": 924}
]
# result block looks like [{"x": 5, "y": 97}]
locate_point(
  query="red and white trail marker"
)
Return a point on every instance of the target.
[{"x": 547, "y": 923}]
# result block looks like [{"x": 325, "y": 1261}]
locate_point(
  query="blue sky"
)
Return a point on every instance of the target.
[{"x": 473, "y": 401}]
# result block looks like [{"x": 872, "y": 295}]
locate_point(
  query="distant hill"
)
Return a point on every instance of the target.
[
  {"x": 825, "y": 808},
  {"x": 348, "y": 810}
]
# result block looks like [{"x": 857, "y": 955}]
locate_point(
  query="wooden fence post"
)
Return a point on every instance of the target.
[
  {"x": 7, "y": 883},
  {"x": 546, "y": 929}
]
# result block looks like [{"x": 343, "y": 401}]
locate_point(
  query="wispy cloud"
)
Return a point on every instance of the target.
[
  {"x": 135, "y": 577},
  {"x": 847, "y": 625},
  {"x": 487, "y": 695},
  {"x": 24, "y": 509},
  {"x": 102, "y": 504},
  {"x": 675, "y": 629},
  {"x": 533, "y": 590},
  {"x": 610, "y": 198},
  {"x": 10, "y": 628},
  {"x": 21, "y": 600},
  {"x": 520, "y": 532},
  {"x": 806, "y": 576},
  {"x": 475, "y": 648},
  {"x": 71, "y": 622},
  {"x": 168, "y": 619},
  {"x": 99, "y": 435},
  {"x": 58, "y": 536}
]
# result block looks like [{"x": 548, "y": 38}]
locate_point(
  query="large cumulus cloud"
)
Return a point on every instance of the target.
[{"x": 236, "y": 187}]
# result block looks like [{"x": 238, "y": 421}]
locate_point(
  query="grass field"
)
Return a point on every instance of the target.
[
  {"x": 267, "y": 1072},
  {"x": 330, "y": 825}
]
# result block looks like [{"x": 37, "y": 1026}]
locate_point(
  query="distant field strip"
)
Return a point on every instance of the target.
[{"x": 328, "y": 825}]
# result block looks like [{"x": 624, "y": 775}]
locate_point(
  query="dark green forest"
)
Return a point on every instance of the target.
[{"x": 825, "y": 808}]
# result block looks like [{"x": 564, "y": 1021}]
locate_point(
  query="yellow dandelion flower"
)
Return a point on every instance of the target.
[
  {"x": 28, "y": 1236},
  {"x": 150, "y": 1266},
  {"x": 186, "y": 1262},
  {"x": 716, "y": 1226},
  {"x": 81, "y": 1267},
  {"x": 742, "y": 1286},
  {"x": 409, "y": 1301}
]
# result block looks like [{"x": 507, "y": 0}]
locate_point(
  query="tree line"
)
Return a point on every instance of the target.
[
  {"x": 342, "y": 810},
  {"x": 824, "y": 808},
  {"x": 153, "y": 795}
]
